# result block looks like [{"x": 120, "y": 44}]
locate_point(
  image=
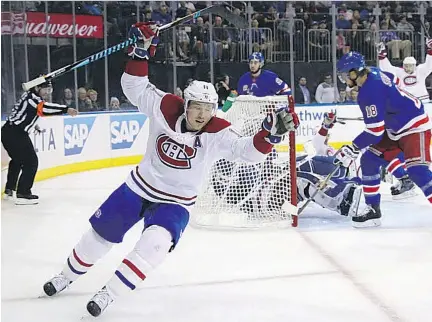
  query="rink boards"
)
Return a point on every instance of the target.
[{"x": 93, "y": 141}]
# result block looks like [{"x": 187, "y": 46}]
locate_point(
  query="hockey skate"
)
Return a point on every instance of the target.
[
  {"x": 100, "y": 302},
  {"x": 403, "y": 189},
  {"x": 26, "y": 199},
  {"x": 56, "y": 285},
  {"x": 370, "y": 217}
]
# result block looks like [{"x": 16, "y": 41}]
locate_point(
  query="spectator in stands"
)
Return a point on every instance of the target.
[
  {"x": 325, "y": 92},
  {"x": 355, "y": 39},
  {"x": 68, "y": 98},
  {"x": 84, "y": 102},
  {"x": 354, "y": 95},
  {"x": 302, "y": 94},
  {"x": 199, "y": 36},
  {"x": 341, "y": 22},
  {"x": 270, "y": 18},
  {"x": 221, "y": 38},
  {"x": 161, "y": 16},
  {"x": 147, "y": 15},
  {"x": 258, "y": 38},
  {"x": 394, "y": 43},
  {"x": 222, "y": 88},
  {"x": 405, "y": 29},
  {"x": 95, "y": 105},
  {"x": 181, "y": 11},
  {"x": 342, "y": 96},
  {"x": 114, "y": 103},
  {"x": 389, "y": 21}
]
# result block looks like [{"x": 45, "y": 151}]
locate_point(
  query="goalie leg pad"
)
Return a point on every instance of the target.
[
  {"x": 85, "y": 254},
  {"x": 148, "y": 253}
]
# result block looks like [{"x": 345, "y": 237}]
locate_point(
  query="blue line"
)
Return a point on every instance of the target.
[{"x": 124, "y": 280}]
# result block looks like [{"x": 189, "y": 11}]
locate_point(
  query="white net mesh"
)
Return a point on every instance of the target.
[{"x": 242, "y": 195}]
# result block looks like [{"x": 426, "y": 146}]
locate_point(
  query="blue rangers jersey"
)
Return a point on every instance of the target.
[
  {"x": 266, "y": 84},
  {"x": 386, "y": 107}
]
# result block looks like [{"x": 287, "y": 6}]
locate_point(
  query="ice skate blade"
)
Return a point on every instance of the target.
[
  {"x": 367, "y": 224},
  {"x": 22, "y": 202},
  {"x": 405, "y": 195}
]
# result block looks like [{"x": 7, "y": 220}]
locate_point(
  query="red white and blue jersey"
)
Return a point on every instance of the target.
[
  {"x": 386, "y": 107},
  {"x": 266, "y": 84},
  {"x": 176, "y": 162}
]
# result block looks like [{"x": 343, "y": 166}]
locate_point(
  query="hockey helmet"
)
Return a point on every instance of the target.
[
  {"x": 257, "y": 56},
  {"x": 348, "y": 62},
  {"x": 200, "y": 91},
  {"x": 409, "y": 64}
]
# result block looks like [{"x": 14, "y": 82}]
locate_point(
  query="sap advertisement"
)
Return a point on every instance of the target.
[{"x": 111, "y": 139}]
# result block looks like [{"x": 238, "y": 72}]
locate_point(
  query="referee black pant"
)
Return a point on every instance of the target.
[{"x": 20, "y": 148}]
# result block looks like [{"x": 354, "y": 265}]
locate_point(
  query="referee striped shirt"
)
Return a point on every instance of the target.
[{"x": 28, "y": 109}]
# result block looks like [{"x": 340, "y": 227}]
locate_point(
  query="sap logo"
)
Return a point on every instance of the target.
[
  {"x": 125, "y": 129},
  {"x": 76, "y": 132}
]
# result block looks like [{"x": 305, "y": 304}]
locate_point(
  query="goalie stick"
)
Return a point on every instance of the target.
[{"x": 219, "y": 10}]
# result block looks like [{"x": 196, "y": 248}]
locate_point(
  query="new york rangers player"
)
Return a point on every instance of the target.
[
  {"x": 261, "y": 82},
  {"x": 411, "y": 78},
  {"x": 185, "y": 139},
  {"x": 395, "y": 121}
]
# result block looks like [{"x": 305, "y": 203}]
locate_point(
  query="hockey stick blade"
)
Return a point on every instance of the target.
[
  {"x": 220, "y": 10},
  {"x": 350, "y": 118}
]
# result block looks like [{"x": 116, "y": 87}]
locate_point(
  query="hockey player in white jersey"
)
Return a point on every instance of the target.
[
  {"x": 411, "y": 78},
  {"x": 185, "y": 139}
]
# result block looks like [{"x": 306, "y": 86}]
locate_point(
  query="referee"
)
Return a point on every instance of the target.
[{"x": 17, "y": 143}]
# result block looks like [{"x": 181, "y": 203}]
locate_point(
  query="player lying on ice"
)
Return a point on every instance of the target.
[
  {"x": 395, "y": 122},
  {"x": 185, "y": 139}
]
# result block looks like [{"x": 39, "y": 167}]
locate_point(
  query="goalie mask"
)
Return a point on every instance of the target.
[
  {"x": 409, "y": 65},
  {"x": 201, "y": 102}
]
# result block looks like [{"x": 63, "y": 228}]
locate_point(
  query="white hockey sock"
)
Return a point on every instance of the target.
[
  {"x": 89, "y": 249},
  {"x": 149, "y": 252}
]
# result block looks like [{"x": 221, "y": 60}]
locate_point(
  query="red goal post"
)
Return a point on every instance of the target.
[{"x": 238, "y": 195}]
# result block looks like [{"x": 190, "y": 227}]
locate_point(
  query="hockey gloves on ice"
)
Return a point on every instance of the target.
[
  {"x": 346, "y": 155},
  {"x": 381, "y": 50},
  {"x": 278, "y": 123},
  {"x": 329, "y": 120},
  {"x": 147, "y": 34}
]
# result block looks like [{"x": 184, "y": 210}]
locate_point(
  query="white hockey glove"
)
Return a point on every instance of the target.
[
  {"x": 278, "y": 123},
  {"x": 148, "y": 38},
  {"x": 381, "y": 50},
  {"x": 329, "y": 120},
  {"x": 429, "y": 46},
  {"x": 346, "y": 155}
]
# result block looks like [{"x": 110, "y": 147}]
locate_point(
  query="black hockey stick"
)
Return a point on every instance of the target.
[{"x": 219, "y": 10}]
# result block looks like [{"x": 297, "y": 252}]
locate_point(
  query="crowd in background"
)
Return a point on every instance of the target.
[{"x": 356, "y": 29}]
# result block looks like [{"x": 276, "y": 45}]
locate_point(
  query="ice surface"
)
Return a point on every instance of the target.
[{"x": 324, "y": 271}]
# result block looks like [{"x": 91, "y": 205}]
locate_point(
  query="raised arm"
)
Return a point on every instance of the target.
[{"x": 135, "y": 82}]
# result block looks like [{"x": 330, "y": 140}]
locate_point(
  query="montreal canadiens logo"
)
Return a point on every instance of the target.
[
  {"x": 410, "y": 80},
  {"x": 173, "y": 154}
]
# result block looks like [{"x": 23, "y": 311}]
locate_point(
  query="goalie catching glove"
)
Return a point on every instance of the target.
[
  {"x": 278, "y": 123},
  {"x": 147, "y": 34},
  {"x": 346, "y": 155}
]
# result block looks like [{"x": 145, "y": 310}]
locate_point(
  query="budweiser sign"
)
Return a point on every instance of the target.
[{"x": 56, "y": 25}]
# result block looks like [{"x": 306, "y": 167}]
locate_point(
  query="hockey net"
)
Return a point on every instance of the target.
[{"x": 244, "y": 195}]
